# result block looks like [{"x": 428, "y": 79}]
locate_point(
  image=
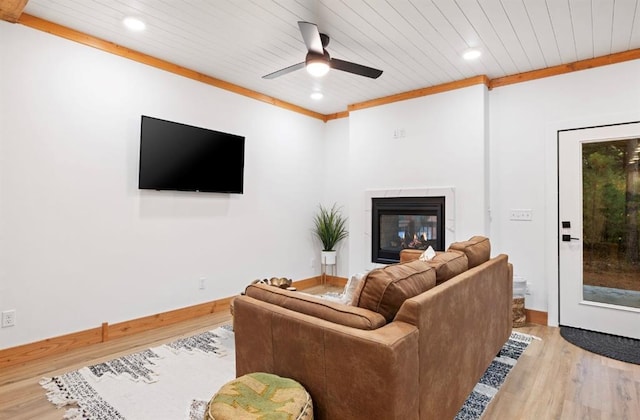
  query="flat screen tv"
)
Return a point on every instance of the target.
[{"x": 180, "y": 157}]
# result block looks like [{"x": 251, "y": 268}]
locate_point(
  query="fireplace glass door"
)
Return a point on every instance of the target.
[{"x": 406, "y": 222}]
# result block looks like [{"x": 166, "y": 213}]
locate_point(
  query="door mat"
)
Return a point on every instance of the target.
[{"x": 608, "y": 345}]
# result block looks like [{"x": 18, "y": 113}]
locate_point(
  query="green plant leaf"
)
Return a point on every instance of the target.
[{"x": 330, "y": 226}]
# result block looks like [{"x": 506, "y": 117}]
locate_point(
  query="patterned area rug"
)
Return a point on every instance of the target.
[
  {"x": 494, "y": 376},
  {"x": 176, "y": 380},
  {"x": 165, "y": 382}
]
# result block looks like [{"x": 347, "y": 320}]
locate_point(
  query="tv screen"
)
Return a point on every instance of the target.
[{"x": 180, "y": 157}]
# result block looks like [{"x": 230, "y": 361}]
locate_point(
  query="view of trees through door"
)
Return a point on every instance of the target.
[{"x": 611, "y": 213}]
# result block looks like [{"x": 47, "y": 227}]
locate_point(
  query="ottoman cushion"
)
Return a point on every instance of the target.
[{"x": 261, "y": 396}]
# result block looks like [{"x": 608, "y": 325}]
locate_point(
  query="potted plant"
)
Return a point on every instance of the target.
[{"x": 330, "y": 226}]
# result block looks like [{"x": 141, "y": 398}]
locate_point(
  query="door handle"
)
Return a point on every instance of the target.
[{"x": 569, "y": 238}]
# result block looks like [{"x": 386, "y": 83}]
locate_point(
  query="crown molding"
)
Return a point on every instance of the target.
[{"x": 11, "y": 10}]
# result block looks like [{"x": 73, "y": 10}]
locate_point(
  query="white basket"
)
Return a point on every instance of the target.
[{"x": 519, "y": 286}]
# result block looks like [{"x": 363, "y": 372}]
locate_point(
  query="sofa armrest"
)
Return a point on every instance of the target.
[
  {"x": 350, "y": 373},
  {"x": 463, "y": 322},
  {"x": 410, "y": 254}
]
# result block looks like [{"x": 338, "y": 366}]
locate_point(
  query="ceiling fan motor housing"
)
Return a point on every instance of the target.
[
  {"x": 324, "y": 38},
  {"x": 315, "y": 57}
]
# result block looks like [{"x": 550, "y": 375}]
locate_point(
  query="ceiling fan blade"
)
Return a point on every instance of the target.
[
  {"x": 283, "y": 71},
  {"x": 311, "y": 37},
  {"x": 354, "y": 68}
]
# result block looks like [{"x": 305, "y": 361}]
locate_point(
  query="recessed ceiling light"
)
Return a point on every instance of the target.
[
  {"x": 317, "y": 96},
  {"x": 134, "y": 24},
  {"x": 471, "y": 54}
]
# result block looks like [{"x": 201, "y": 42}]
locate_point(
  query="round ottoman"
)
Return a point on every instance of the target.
[{"x": 261, "y": 396}]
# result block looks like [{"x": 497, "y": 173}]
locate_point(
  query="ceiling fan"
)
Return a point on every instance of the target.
[{"x": 318, "y": 62}]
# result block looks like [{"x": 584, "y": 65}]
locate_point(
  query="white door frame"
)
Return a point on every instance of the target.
[
  {"x": 575, "y": 311},
  {"x": 551, "y": 217}
]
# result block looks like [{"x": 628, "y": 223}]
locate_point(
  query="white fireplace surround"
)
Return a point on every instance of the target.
[{"x": 449, "y": 194}]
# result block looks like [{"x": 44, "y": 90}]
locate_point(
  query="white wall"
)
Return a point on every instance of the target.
[
  {"x": 525, "y": 118},
  {"x": 445, "y": 146},
  {"x": 81, "y": 245},
  {"x": 335, "y": 183}
]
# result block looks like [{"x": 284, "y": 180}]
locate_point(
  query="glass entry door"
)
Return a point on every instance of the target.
[{"x": 599, "y": 209}]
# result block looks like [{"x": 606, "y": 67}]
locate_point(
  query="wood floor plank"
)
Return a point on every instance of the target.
[{"x": 552, "y": 380}]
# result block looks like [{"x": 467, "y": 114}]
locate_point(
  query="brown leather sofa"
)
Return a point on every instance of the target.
[{"x": 414, "y": 342}]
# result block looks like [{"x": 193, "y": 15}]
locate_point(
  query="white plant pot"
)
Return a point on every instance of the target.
[{"x": 328, "y": 257}]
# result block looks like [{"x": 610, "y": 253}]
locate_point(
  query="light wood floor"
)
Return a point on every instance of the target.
[{"x": 552, "y": 380}]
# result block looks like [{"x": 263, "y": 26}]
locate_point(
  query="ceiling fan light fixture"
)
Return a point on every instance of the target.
[
  {"x": 317, "y": 68},
  {"x": 317, "y": 65},
  {"x": 318, "y": 61}
]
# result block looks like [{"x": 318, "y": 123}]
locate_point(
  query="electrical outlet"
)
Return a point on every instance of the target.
[
  {"x": 9, "y": 318},
  {"x": 313, "y": 263},
  {"x": 201, "y": 282},
  {"x": 399, "y": 133},
  {"x": 528, "y": 289}
]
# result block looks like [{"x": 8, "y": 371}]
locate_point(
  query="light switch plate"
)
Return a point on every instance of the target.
[{"x": 521, "y": 214}]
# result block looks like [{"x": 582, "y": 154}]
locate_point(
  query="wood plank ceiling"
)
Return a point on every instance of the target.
[{"x": 418, "y": 43}]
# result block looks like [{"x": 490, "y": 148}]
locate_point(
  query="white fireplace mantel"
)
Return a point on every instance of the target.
[{"x": 449, "y": 210}]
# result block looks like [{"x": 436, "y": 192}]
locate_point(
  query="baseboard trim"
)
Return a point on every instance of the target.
[
  {"x": 537, "y": 317},
  {"x": 336, "y": 281},
  {"x": 106, "y": 332},
  {"x": 51, "y": 346}
]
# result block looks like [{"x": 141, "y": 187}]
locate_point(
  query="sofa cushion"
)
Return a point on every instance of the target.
[
  {"x": 477, "y": 249},
  {"x": 385, "y": 289},
  {"x": 338, "y": 313},
  {"x": 449, "y": 264}
]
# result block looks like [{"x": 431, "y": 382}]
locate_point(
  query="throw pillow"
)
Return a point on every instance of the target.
[
  {"x": 428, "y": 254},
  {"x": 346, "y": 296},
  {"x": 351, "y": 287}
]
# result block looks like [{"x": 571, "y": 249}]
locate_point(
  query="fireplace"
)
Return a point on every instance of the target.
[{"x": 405, "y": 222}]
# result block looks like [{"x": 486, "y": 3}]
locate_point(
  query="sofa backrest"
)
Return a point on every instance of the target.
[
  {"x": 383, "y": 290},
  {"x": 448, "y": 265},
  {"x": 477, "y": 249},
  {"x": 348, "y": 316}
]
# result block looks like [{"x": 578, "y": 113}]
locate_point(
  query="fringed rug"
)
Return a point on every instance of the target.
[
  {"x": 176, "y": 380},
  {"x": 164, "y": 382}
]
